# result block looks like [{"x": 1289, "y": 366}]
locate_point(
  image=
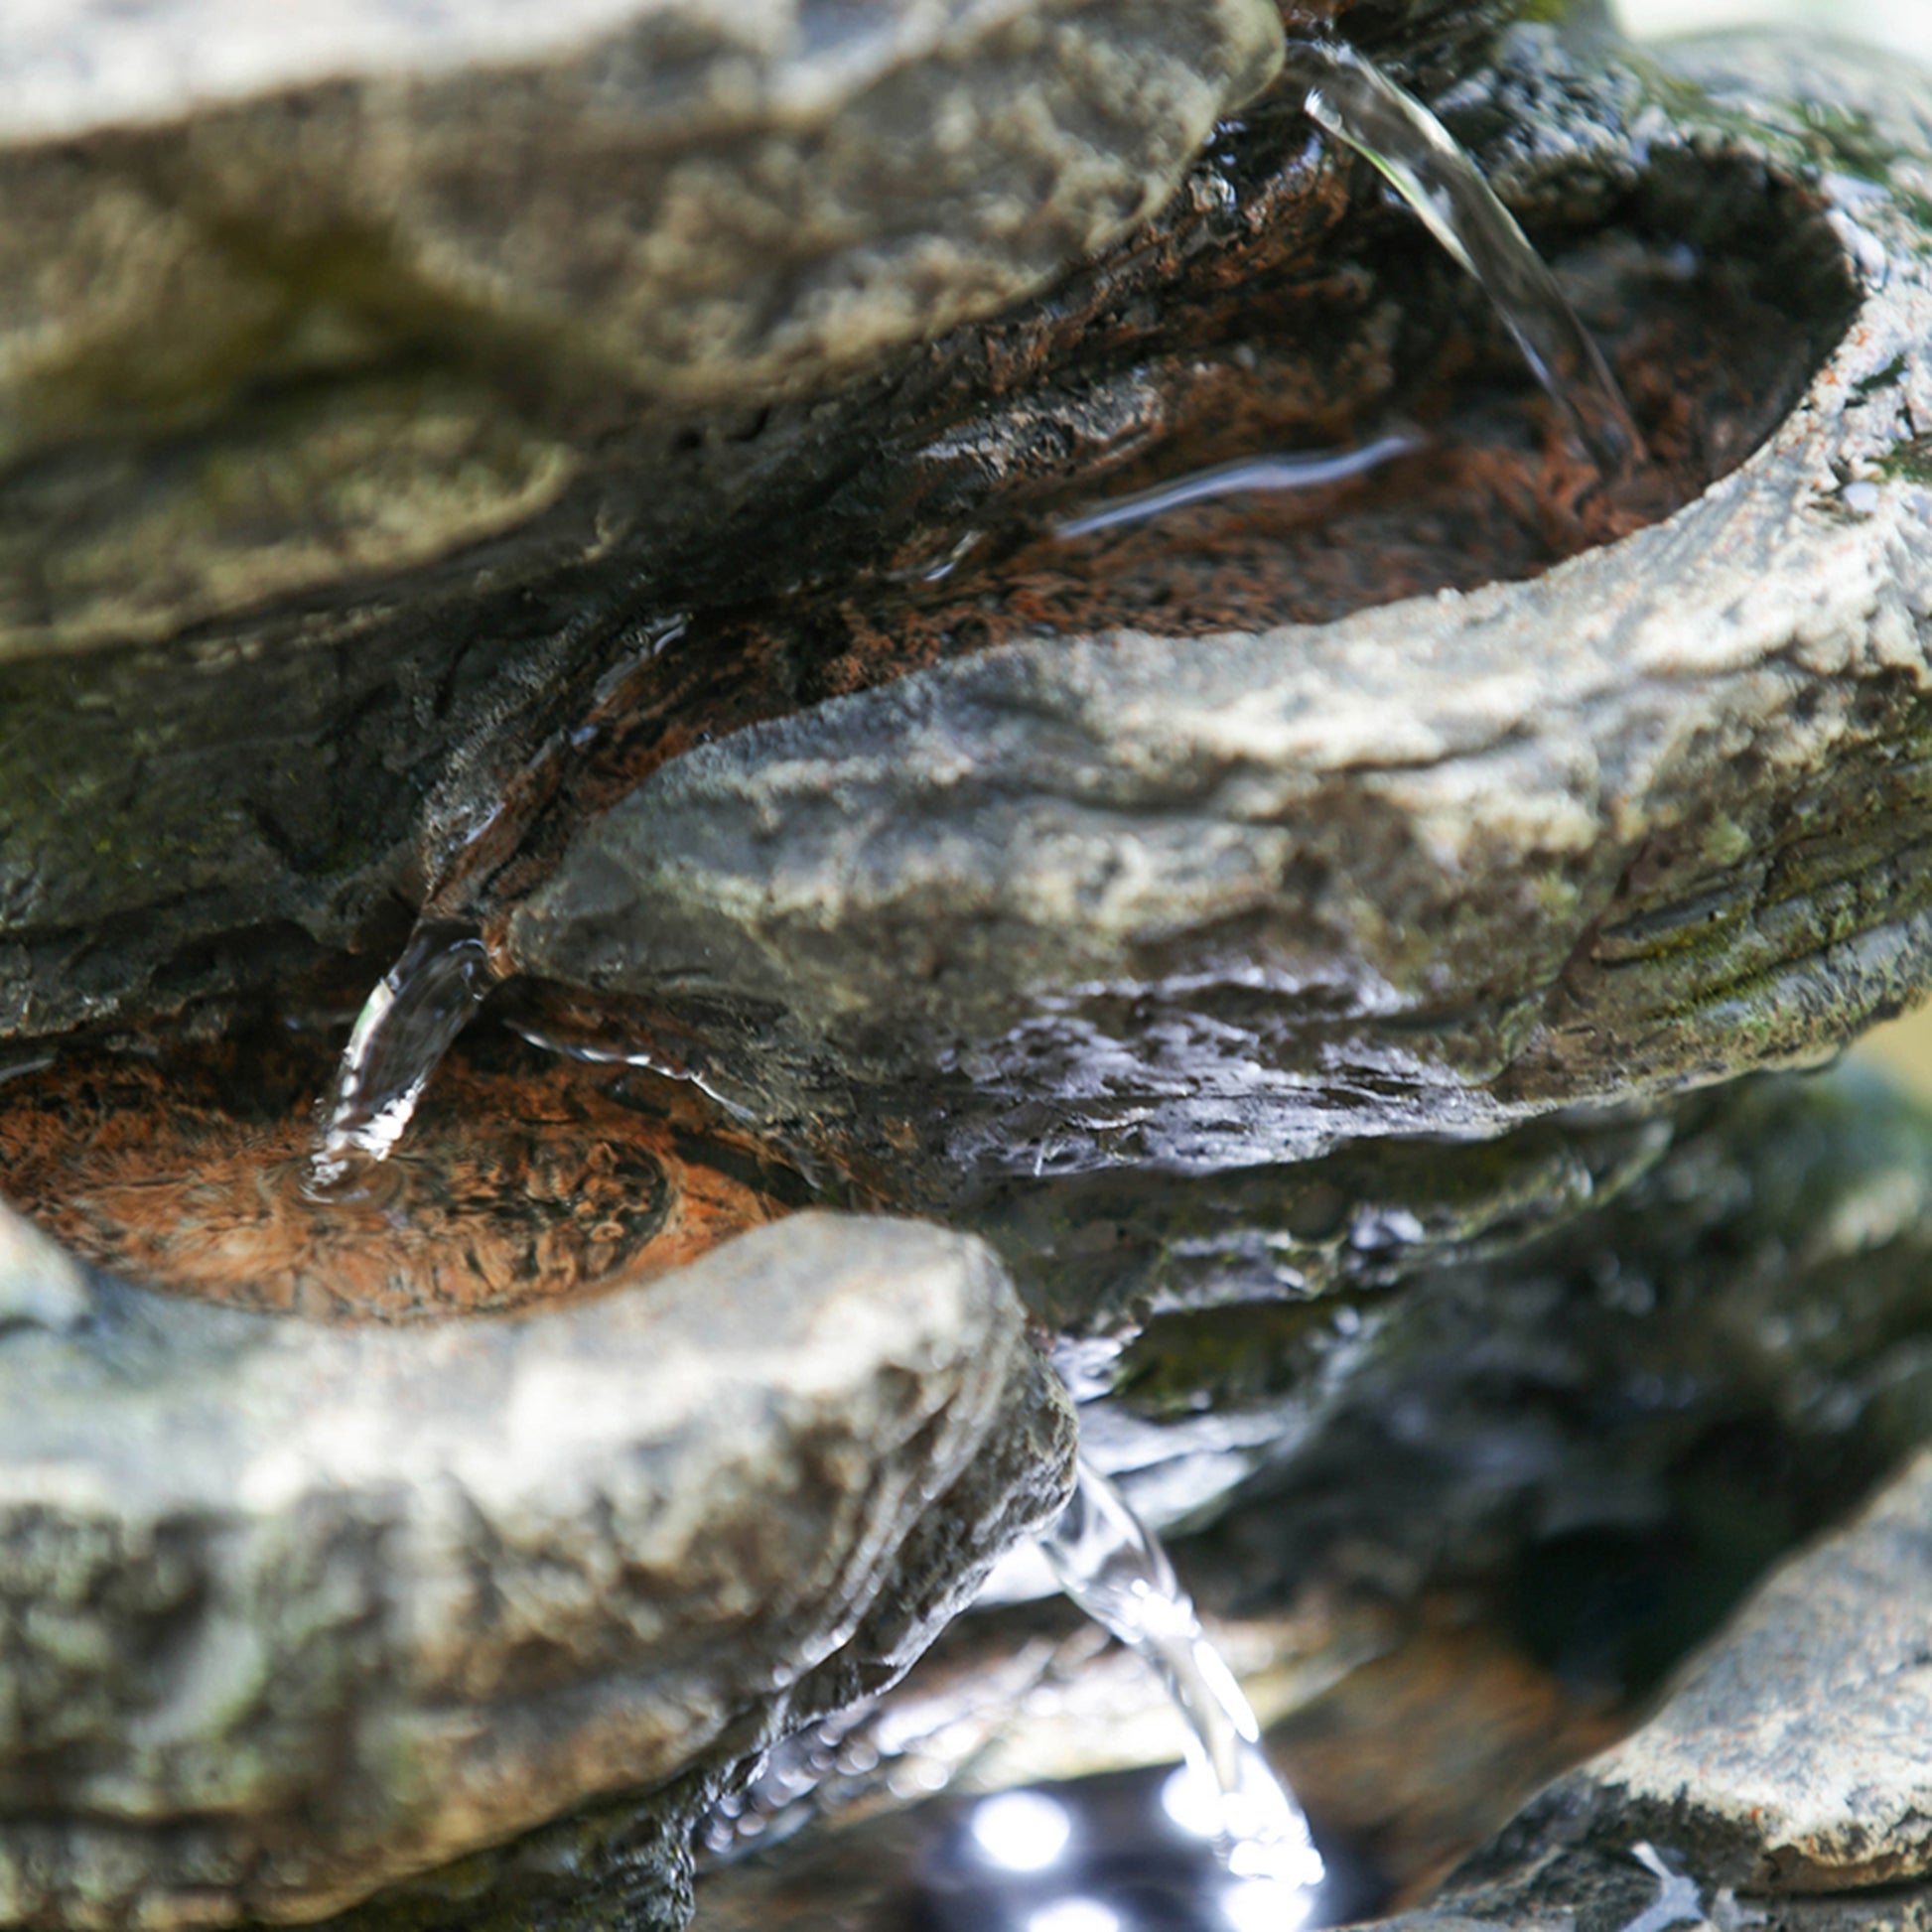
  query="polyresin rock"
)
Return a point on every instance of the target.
[
  {"x": 291, "y": 739},
  {"x": 288, "y": 1614},
  {"x": 351, "y": 375},
  {"x": 1195, "y": 901},
  {"x": 1789, "y": 1764},
  {"x": 1763, "y": 1277},
  {"x": 1793, "y": 1757}
]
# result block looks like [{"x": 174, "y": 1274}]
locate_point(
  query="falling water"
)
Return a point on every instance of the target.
[
  {"x": 1114, "y": 1568},
  {"x": 405, "y": 1028},
  {"x": 1353, "y": 102}
]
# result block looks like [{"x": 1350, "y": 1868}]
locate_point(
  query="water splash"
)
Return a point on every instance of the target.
[
  {"x": 1114, "y": 1568},
  {"x": 1354, "y": 102},
  {"x": 1313, "y": 470},
  {"x": 411, "y": 1020}
]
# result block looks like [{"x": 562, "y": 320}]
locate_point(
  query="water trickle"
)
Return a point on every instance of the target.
[
  {"x": 1315, "y": 470},
  {"x": 1114, "y": 1568},
  {"x": 411, "y": 1020},
  {"x": 1355, "y": 103}
]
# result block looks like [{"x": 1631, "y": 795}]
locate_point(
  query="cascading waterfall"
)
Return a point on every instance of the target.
[
  {"x": 1111, "y": 1566},
  {"x": 1104, "y": 1557}
]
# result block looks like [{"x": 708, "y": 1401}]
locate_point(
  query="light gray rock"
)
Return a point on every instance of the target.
[
  {"x": 1793, "y": 1758},
  {"x": 692, "y": 197},
  {"x": 1647, "y": 821},
  {"x": 287, "y": 1614},
  {"x": 1785, "y": 1782}
]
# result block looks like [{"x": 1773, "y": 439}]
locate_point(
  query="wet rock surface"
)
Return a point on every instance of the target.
[
  {"x": 287, "y": 1614},
  {"x": 326, "y": 751},
  {"x": 1234, "y": 898},
  {"x": 349, "y": 379},
  {"x": 1791, "y": 1759},
  {"x": 1483, "y": 1537},
  {"x": 1763, "y": 1280},
  {"x": 1124, "y": 898}
]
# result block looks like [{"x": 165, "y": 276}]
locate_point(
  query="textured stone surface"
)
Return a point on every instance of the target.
[
  {"x": 1793, "y": 1758},
  {"x": 1649, "y": 820},
  {"x": 1553, "y": 1474},
  {"x": 1790, "y": 1766},
  {"x": 352, "y": 375},
  {"x": 1198, "y": 903},
  {"x": 289, "y": 740},
  {"x": 702, "y": 198},
  {"x": 288, "y": 1614}
]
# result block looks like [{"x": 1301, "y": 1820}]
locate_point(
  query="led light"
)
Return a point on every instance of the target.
[
  {"x": 1075, "y": 1915},
  {"x": 1265, "y": 1906},
  {"x": 1193, "y": 1800},
  {"x": 1024, "y": 1831}
]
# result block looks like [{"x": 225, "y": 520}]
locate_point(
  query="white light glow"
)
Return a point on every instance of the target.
[
  {"x": 1024, "y": 1831},
  {"x": 1261, "y": 1832},
  {"x": 1193, "y": 1800},
  {"x": 1265, "y": 1906},
  {"x": 1074, "y": 1915}
]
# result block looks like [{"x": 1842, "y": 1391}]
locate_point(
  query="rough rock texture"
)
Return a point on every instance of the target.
[
  {"x": 288, "y": 1613},
  {"x": 352, "y": 377},
  {"x": 1101, "y": 1255},
  {"x": 1793, "y": 1757},
  {"x": 1734, "y": 1331},
  {"x": 1649, "y": 820},
  {"x": 335, "y": 602},
  {"x": 1493, "y": 1522},
  {"x": 1790, "y": 1763},
  {"x": 702, "y": 199}
]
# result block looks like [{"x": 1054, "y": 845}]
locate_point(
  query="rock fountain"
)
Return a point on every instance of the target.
[{"x": 699, "y": 513}]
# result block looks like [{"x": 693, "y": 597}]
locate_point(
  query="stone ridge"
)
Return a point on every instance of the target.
[
  {"x": 1654, "y": 819},
  {"x": 1793, "y": 1754}
]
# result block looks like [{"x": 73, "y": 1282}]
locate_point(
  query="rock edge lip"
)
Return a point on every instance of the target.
[
  {"x": 1602, "y": 797},
  {"x": 291, "y": 1613}
]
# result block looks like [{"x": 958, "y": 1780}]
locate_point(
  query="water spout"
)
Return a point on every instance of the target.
[
  {"x": 1112, "y": 1567},
  {"x": 1355, "y": 103},
  {"x": 411, "y": 1020}
]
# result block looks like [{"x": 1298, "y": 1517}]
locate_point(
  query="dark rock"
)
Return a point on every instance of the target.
[
  {"x": 1791, "y": 1757},
  {"x": 1492, "y": 1524},
  {"x": 1763, "y": 1281}
]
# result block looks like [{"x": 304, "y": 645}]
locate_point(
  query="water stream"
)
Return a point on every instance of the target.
[
  {"x": 411, "y": 1020},
  {"x": 1114, "y": 1568},
  {"x": 1312, "y": 469},
  {"x": 1355, "y": 103}
]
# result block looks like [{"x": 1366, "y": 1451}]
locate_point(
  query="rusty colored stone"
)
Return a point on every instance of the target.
[{"x": 527, "y": 1178}]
